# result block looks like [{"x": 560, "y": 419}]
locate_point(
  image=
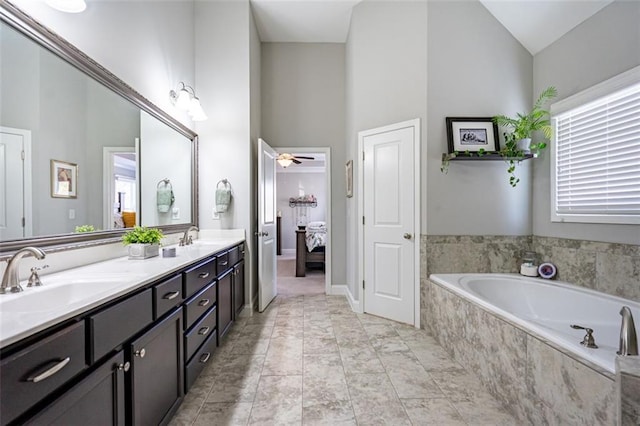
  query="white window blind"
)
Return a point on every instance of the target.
[{"x": 597, "y": 159}]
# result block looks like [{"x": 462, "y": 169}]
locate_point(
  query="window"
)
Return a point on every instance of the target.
[{"x": 596, "y": 154}]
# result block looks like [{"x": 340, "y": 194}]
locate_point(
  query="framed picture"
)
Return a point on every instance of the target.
[
  {"x": 64, "y": 179},
  {"x": 349, "y": 176},
  {"x": 472, "y": 134}
]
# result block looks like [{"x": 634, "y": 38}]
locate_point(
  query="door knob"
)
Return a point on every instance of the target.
[
  {"x": 407, "y": 236},
  {"x": 262, "y": 234}
]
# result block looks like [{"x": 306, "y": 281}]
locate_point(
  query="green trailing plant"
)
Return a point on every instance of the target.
[
  {"x": 446, "y": 158},
  {"x": 84, "y": 228},
  {"x": 522, "y": 127},
  {"x": 142, "y": 235}
]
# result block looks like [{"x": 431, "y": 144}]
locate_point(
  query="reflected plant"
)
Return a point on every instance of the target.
[{"x": 84, "y": 228}]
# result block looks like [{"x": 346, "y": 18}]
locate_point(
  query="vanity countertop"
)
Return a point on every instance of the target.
[{"x": 66, "y": 294}]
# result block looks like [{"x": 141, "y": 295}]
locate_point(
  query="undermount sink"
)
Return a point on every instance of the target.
[{"x": 59, "y": 291}]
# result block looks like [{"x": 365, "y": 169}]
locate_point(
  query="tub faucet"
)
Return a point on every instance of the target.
[
  {"x": 186, "y": 238},
  {"x": 10, "y": 280},
  {"x": 628, "y": 337}
]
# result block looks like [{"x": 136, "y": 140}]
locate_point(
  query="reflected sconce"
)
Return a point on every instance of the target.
[
  {"x": 185, "y": 99},
  {"x": 69, "y": 6}
]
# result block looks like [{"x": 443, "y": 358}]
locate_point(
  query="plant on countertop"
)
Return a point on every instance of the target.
[
  {"x": 520, "y": 130},
  {"x": 142, "y": 235},
  {"x": 84, "y": 228}
]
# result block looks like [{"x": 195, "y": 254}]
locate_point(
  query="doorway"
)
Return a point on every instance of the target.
[
  {"x": 15, "y": 184},
  {"x": 304, "y": 222},
  {"x": 120, "y": 185}
]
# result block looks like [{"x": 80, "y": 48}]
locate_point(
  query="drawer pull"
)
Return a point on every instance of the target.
[
  {"x": 49, "y": 372},
  {"x": 205, "y": 357},
  {"x": 203, "y": 275},
  {"x": 124, "y": 367},
  {"x": 171, "y": 296},
  {"x": 203, "y": 331},
  {"x": 225, "y": 263},
  {"x": 141, "y": 353},
  {"x": 204, "y": 302}
]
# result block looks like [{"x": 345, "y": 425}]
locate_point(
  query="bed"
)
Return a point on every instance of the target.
[{"x": 310, "y": 247}]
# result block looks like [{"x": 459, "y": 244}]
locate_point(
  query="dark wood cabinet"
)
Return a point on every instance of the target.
[
  {"x": 225, "y": 303},
  {"x": 98, "y": 399},
  {"x": 238, "y": 288},
  {"x": 156, "y": 384}
]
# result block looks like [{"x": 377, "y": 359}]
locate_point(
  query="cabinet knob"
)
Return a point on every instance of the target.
[
  {"x": 124, "y": 367},
  {"x": 141, "y": 353}
]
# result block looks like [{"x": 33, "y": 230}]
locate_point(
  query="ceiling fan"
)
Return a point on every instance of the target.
[{"x": 286, "y": 159}]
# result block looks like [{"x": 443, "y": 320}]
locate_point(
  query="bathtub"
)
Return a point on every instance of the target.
[{"x": 547, "y": 309}]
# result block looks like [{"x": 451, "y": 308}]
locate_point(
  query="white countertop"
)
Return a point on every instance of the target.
[{"x": 66, "y": 294}]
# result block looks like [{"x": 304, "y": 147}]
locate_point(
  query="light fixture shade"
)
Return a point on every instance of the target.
[
  {"x": 195, "y": 110},
  {"x": 284, "y": 162},
  {"x": 69, "y": 6},
  {"x": 184, "y": 99}
]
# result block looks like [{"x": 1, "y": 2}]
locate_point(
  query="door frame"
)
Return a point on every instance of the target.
[
  {"x": 415, "y": 123},
  {"x": 27, "y": 190},
  {"x": 108, "y": 186},
  {"x": 327, "y": 214}
]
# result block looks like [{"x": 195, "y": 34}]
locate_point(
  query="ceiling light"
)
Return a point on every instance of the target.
[
  {"x": 284, "y": 162},
  {"x": 185, "y": 99},
  {"x": 69, "y": 6}
]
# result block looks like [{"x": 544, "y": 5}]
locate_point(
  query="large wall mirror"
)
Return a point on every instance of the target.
[{"x": 82, "y": 155}]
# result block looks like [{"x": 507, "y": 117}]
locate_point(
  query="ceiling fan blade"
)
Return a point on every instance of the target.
[
  {"x": 296, "y": 161},
  {"x": 305, "y": 158}
]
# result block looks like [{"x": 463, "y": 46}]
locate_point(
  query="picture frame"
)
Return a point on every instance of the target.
[
  {"x": 64, "y": 179},
  {"x": 471, "y": 134},
  {"x": 349, "y": 178}
]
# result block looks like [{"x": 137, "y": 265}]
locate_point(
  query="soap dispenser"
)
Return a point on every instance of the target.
[{"x": 529, "y": 266}]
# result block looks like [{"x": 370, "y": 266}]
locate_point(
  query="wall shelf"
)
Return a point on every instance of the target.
[
  {"x": 303, "y": 203},
  {"x": 493, "y": 156}
]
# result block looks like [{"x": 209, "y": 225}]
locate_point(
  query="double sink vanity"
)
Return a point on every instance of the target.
[{"x": 119, "y": 341}]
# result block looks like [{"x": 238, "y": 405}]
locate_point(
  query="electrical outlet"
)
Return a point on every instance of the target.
[
  {"x": 216, "y": 215},
  {"x": 72, "y": 214}
]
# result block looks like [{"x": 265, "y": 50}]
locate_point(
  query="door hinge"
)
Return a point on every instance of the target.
[
  {"x": 362, "y": 155},
  {"x": 363, "y": 220},
  {"x": 22, "y": 155},
  {"x": 363, "y": 284},
  {"x": 24, "y": 222}
]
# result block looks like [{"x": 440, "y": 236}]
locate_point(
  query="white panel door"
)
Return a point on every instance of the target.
[
  {"x": 266, "y": 233},
  {"x": 13, "y": 214},
  {"x": 389, "y": 217}
]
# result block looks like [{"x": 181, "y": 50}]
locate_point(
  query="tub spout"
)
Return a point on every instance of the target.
[{"x": 628, "y": 337}]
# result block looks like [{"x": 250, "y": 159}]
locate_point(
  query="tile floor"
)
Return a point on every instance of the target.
[{"x": 311, "y": 360}]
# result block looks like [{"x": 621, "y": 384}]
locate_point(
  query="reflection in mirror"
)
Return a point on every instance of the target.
[{"x": 94, "y": 150}]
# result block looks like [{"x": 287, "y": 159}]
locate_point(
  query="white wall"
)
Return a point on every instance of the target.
[
  {"x": 605, "y": 45},
  {"x": 255, "y": 51},
  {"x": 476, "y": 69},
  {"x": 386, "y": 82},
  {"x": 295, "y": 184},
  {"x": 223, "y": 78},
  {"x": 303, "y": 105}
]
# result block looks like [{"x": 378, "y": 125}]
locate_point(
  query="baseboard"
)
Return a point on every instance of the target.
[
  {"x": 289, "y": 252},
  {"x": 343, "y": 290}
]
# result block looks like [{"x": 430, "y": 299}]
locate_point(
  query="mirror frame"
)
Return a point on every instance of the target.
[{"x": 35, "y": 31}]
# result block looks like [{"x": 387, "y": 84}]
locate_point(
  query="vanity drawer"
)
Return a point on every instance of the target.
[
  {"x": 199, "y": 304},
  {"x": 36, "y": 371},
  {"x": 114, "y": 325},
  {"x": 223, "y": 264},
  {"x": 199, "y": 333},
  {"x": 166, "y": 295},
  {"x": 199, "y": 276},
  {"x": 199, "y": 361},
  {"x": 234, "y": 255}
]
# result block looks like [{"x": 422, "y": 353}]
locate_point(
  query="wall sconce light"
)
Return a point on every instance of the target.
[
  {"x": 69, "y": 6},
  {"x": 185, "y": 98}
]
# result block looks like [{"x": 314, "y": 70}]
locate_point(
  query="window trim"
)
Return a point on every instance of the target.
[{"x": 591, "y": 94}]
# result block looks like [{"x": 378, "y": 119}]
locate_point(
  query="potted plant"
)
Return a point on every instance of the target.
[
  {"x": 143, "y": 242},
  {"x": 84, "y": 228},
  {"x": 520, "y": 130}
]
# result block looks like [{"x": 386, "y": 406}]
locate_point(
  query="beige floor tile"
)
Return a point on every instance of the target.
[
  {"x": 380, "y": 330},
  {"x": 224, "y": 414},
  {"x": 484, "y": 410},
  {"x": 437, "y": 411},
  {"x": 278, "y": 401},
  {"x": 360, "y": 360},
  {"x": 328, "y": 413},
  {"x": 284, "y": 357},
  {"x": 231, "y": 387},
  {"x": 313, "y": 345},
  {"x": 250, "y": 345},
  {"x": 458, "y": 385},
  {"x": 389, "y": 344}
]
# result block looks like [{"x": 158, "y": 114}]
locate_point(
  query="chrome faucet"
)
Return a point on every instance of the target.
[
  {"x": 186, "y": 238},
  {"x": 10, "y": 280},
  {"x": 628, "y": 337}
]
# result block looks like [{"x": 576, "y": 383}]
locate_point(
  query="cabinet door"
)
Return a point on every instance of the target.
[
  {"x": 238, "y": 288},
  {"x": 225, "y": 303},
  {"x": 98, "y": 399},
  {"x": 156, "y": 372}
]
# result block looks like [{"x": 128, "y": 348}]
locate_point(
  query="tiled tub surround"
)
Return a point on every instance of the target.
[
  {"x": 607, "y": 267},
  {"x": 628, "y": 383},
  {"x": 535, "y": 378}
]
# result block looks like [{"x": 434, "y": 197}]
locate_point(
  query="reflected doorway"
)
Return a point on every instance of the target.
[{"x": 121, "y": 189}]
